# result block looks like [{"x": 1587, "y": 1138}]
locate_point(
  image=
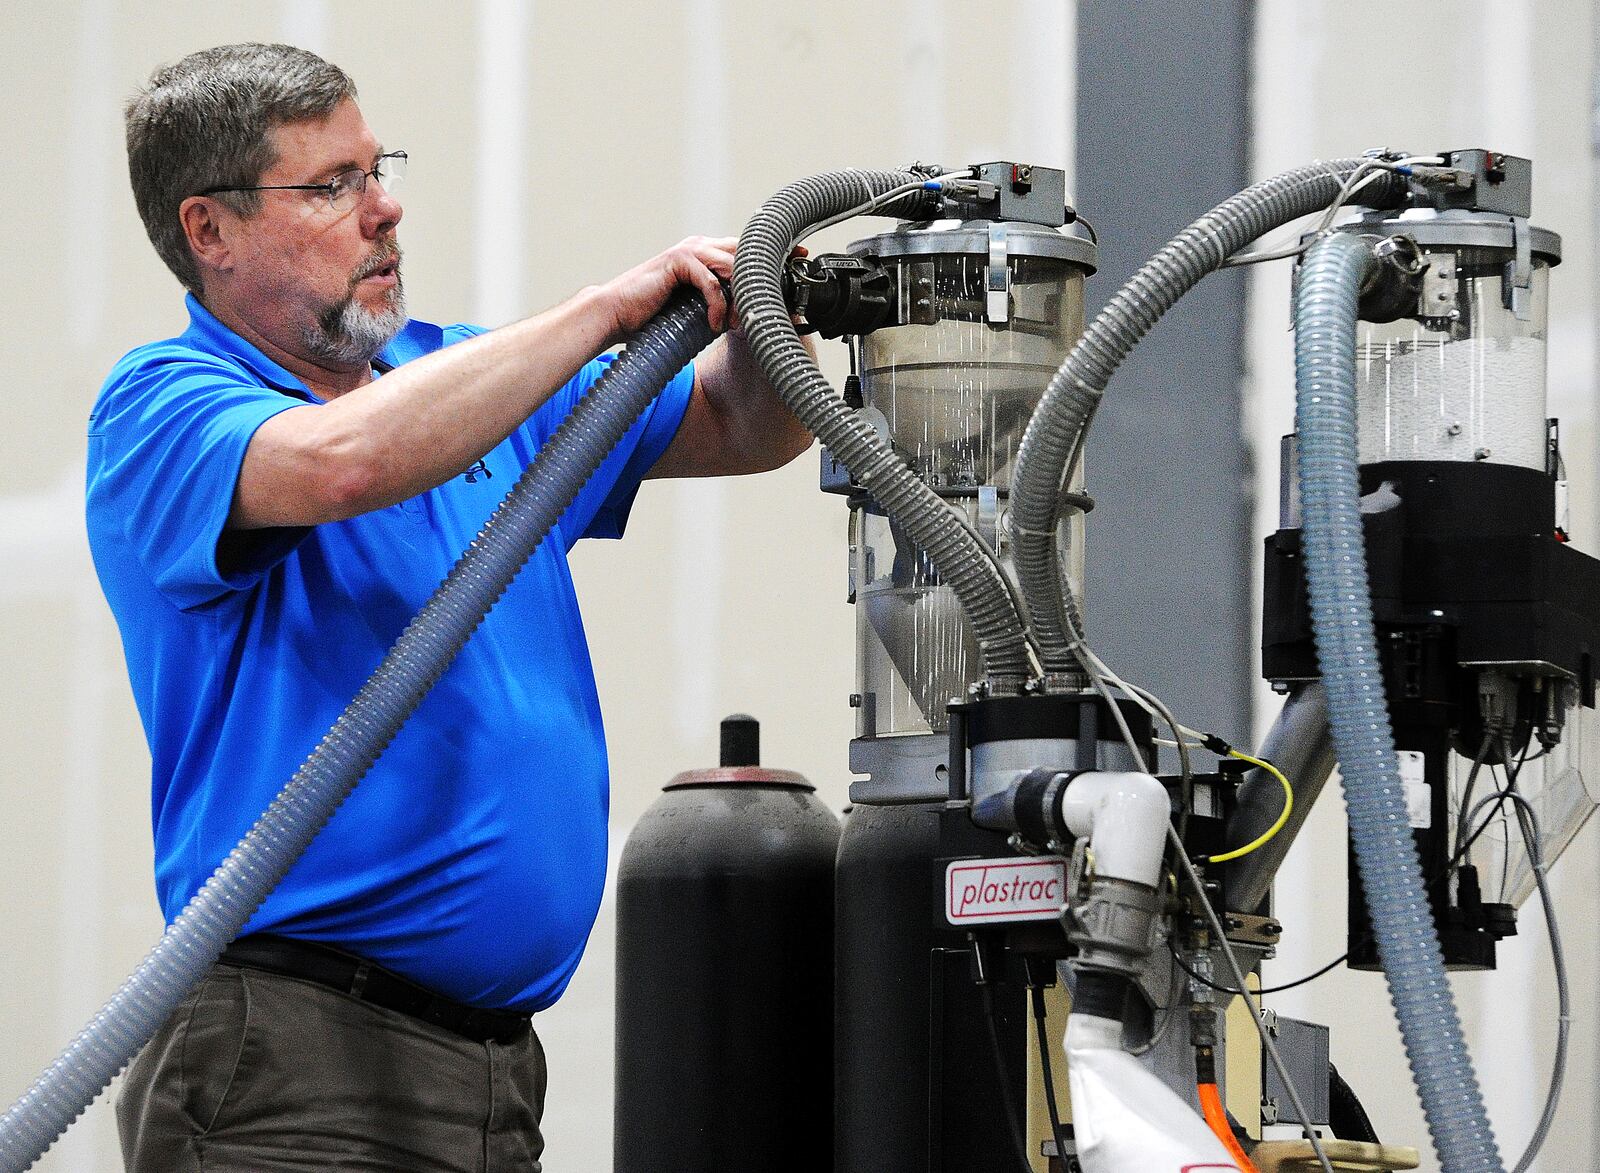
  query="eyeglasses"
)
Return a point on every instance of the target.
[{"x": 344, "y": 189}]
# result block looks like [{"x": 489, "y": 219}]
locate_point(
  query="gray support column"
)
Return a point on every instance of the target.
[{"x": 1163, "y": 135}]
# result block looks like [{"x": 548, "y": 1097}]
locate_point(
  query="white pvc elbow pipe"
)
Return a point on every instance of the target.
[{"x": 1125, "y": 816}]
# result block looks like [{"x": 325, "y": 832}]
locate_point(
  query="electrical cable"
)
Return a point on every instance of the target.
[
  {"x": 1222, "y": 989},
  {"x": 1528, "y": 821},
  {"x": 1367, "y": 174},
  {"x": 1498, "y": 798},
  {"x": 1471, "y": 782},
  {"x": 1271, "y": 832},
  {"x": 1094, "y": 665},
  {"x": 1449, "y": 867},
  {"x": 1169, "y": 1011},
  {"x": 1239, "y": 260},
  {"x": 1153, "y": 705},
  {"x": 1008, "y": 1099},
  {"x": 1267, "y": 1041},
  {"x": 1359, "y": 178},
  {"x": 1103, "y": 678},
  {"x": 873, "y": 203},
  {"x": 1036, "y": 992},
  {"x": 1100, "y": 674}
]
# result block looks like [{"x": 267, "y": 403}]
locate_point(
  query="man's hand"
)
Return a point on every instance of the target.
[
  {"x": 425, "y": 421},
  {"x": 638, "y": 295}
]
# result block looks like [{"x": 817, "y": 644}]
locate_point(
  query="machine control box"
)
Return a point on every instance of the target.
[{"x": 1023, "y": 192}]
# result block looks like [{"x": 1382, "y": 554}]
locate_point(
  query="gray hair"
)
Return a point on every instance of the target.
[{"x": 204, "y": 121}]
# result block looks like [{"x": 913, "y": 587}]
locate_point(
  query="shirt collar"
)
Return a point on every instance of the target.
[{"x": 207, "y": 332}]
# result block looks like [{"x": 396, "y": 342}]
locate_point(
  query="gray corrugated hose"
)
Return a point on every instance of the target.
[
  {"x": 957, "y": 553},
  {"x": 1347, "y": 653},
  {"x": 363, "y": 731},
  {"x": 1055, "y": 432}
]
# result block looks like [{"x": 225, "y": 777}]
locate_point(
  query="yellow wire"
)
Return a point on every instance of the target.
[{"x": 1283, "y": 816}]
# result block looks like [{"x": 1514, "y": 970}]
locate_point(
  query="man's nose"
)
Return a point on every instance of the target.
[{"x": 380, "y": 211}]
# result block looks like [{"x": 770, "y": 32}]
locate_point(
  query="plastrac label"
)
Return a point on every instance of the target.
[{"x": 994, "y": 891}]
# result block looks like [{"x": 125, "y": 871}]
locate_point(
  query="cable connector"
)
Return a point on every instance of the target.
[
  {"x": 1216, "y": 745},
  {"x": 1458, "y": 178}
]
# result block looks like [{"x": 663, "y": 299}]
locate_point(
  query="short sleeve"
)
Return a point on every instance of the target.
[
  {"x": 601, "y": 507},
  {"x": 167, "y": 439}
]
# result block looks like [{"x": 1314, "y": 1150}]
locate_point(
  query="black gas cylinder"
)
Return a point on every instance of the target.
[
  {"x": 916, "y": 1082},
  {"x": 724, "y": 973}
]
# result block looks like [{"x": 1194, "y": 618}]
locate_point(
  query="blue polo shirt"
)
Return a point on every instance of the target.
[{"x": 472, "y": 857}]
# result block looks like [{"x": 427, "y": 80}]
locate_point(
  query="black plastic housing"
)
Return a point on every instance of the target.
[
  {"x": 1469, "y": 547},
  {"x": 1467, "y": 572}
]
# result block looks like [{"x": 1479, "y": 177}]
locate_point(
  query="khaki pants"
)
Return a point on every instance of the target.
[{"x": 273, "y": 1074}]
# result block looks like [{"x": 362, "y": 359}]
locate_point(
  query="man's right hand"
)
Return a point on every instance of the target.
[{"x": 638, "y": 295}]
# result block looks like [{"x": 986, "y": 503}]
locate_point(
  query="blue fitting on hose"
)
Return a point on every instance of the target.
[
  {"x": 1347, "y": 654},
  {"x": 419, "y": 657}
]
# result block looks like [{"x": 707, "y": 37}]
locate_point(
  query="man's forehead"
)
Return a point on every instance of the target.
[{"x": 339, "y": 138}]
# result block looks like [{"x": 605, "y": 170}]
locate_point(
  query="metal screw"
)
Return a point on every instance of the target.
[
  {"x": 1483, "y": 454},
  {"x": 855, "y": 700},
  {"x": 1453, "y": 430}
]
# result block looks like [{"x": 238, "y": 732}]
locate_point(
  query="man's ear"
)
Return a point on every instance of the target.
[{"x": 205, "y": 226}]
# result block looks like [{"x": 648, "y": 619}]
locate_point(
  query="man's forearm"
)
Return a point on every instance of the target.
[
  {"x": 735, "y": 423},
  {"x": 417, "y": 426}
]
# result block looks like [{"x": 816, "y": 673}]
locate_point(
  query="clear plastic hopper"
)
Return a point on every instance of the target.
[
  {"x": 952, "y": 388},
  {"x": 1471, "y": 387}
]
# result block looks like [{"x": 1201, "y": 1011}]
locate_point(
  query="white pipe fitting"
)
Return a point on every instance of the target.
[{"x": 1125, "y": 816}]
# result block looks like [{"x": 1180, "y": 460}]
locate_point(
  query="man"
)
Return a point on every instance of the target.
[{"x": 271, "y": 496}]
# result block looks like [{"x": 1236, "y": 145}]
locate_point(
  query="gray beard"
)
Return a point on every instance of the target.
[{"x": 349, "y": 334}]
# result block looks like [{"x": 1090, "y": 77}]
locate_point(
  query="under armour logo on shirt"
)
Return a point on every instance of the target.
[{"x": 479, "y": 467}]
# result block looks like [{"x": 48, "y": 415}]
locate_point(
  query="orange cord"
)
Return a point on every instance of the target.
[{"x": 1217, "y": 1118}]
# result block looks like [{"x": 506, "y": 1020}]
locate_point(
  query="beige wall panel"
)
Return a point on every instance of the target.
[{"x": 575, "y": 139}]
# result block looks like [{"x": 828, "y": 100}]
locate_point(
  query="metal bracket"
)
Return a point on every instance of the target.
[
  {"x": 1440, "y": 297},
  {"x": 997, "y": 278},
  {"x": 917, "y": 307},
  {"x": 1253, "y": 930},
  {"x": 1517, "y": 287}
]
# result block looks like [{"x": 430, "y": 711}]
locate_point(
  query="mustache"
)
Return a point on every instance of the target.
[{"x": 382, "y": 257}]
